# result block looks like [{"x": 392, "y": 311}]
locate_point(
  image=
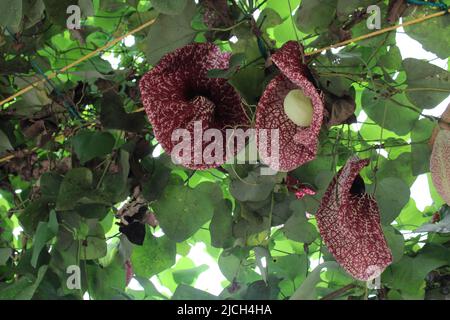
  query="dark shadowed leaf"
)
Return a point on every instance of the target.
[
  {"x": 113, "y": 115},
  {"x": 91, "y": 144},
  {"x": 76, "y": 184},
  {"x": 172, "y": 7}
]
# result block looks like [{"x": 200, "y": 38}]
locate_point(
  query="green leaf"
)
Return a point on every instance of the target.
[
  {"x": 92, "y": 144},
  {"x": 110, "y": 5},
  {"x": 360, "y": 29},
  {"x": 188, "y": 276},
  {"x": 5, "y": 145},
  {"x": 392, "y": 194},
  {"x": 87, "y": 8},
  {"x": 253, "y": 188},
  {"x": 387, "y": 112},
  {"x": 172, "y": 7},
  {"x": 149, "y": 288},
  {"x": 283, "y": 7},
  {"x": 234, "y": 266},
  {"x": 298, "y": 228},
  {"x": 221, "y": 226},
  {"x": 249, "y": 82},
  {"x": 428, "y": 85},
  {"x": 184, "y": 292},
  {"x": 433, "y": 34},
  {"x": 11, "y": 15},
  {"x": 282, "y": 208},
  {"x": 314, "y": 16},
  {"x": 442, "y": 226},
  {"x": 153, "y": 187},
  {"x": 76, "y": 184},
  {"x": 420, "y": 148},
  {"x": 411, "y": 217},
  {"x": 408, "y": 274},
  {"x": 392, "y": 59},
  {"x": 92, "y": 210},
  {"x": 5, "y": 254},
  {"x": 56, "y": 10},
  {"x": 93, "y": 246},
  {"x": 36, "y": 98},
  {"x": 44, "y": 232},
  {"x": 268, "y": 18},
  {"x": 154, "y": 256},
  {"x": 399, "y": 167},
  {"x": 307, "y": 290},
  {"x": 169, "y": 33},
  {"x": 260, "y": 290},
  {"x": 106, "y": 283},
  {"x": 395, "y": 241},
  {"x": 181, "y": 211},
  {"x": 96, "y": 68},
  {"x": 50, "y": 183},
  {"x": 24, "y": 288},
  {"x": 343, "y": 63},
  {"x": 262, "y": 256},
  {"x": 291, "y": 267},
  {"x": 35, "y": 212},
  {"x": 113, "y": 115}
]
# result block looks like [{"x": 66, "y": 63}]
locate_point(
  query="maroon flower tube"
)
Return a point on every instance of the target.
[
  {"x": 299, "y": 189},
  {"x": 349, "y": 223},
  {"x": 297, "y": 144},
  {"x": 177, "y": 93}
]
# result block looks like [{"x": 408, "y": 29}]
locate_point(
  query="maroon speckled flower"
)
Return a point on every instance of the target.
[
  {"x": 440, "y": 164},
  {"x": 177, "y": 92},
  {"x": 299, "y": 189},
  {"x": 216, "y": 13},
  {"x": 349, "y": 223},
  {"x": 297, "y": 144}
]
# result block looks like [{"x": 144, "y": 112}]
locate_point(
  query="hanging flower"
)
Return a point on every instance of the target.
[
  {"x": 292, "y": 105},
  {"x": 443, "y": 124},
  {"x": 216, "y": 13},
  {"x": 439, "y": 160},
  {"x": 177, "y": 94},
  {"x": 440, "y": 164},
  {"x": 299, "y": 189},
  {"x": 349, "y": 223}
]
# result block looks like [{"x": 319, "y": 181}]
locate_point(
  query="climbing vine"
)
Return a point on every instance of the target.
[{"x": 92, "y": 205}]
